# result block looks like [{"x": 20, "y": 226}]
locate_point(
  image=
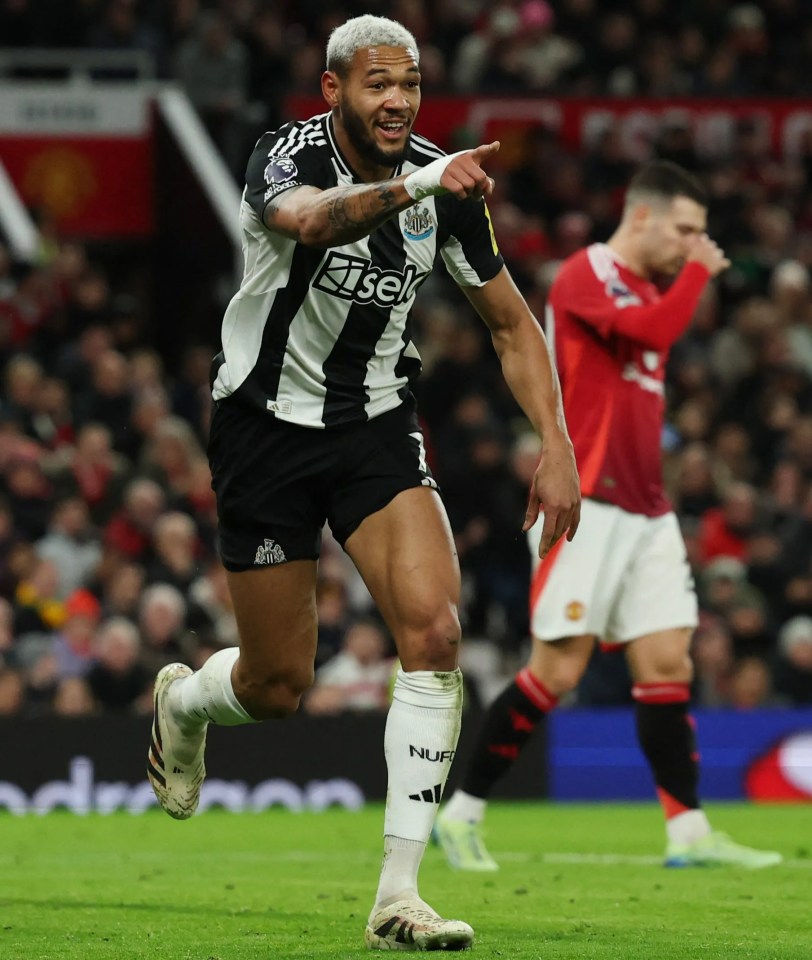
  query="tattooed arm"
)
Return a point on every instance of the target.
[{"x": 330, "y": 218}]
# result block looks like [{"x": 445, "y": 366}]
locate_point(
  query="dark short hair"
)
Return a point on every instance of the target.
[{"x": 666, "y": 180}]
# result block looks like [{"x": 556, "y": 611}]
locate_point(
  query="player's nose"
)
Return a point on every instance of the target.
[{"x": 396, "y": 99}]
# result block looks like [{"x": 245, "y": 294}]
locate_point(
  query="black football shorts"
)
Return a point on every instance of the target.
[{"x": 277, "y": 482}]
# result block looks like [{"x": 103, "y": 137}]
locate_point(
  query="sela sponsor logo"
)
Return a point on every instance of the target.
[
  {"x": 269, "y": 552},
  {"x": 80, "y": 793},
  {"x": 431, "y": 755},
  {"x": 418, "y": 223},
  {"x": 355, "y": 278}
]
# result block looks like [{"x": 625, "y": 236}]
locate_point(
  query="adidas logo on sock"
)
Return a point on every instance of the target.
[{"x": 430, "y": 795}]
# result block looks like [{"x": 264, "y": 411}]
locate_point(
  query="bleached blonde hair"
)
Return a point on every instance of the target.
[{"x": 366, "y": 31}]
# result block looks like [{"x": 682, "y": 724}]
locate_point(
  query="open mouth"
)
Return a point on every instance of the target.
[{"x": 393, "y": 129}]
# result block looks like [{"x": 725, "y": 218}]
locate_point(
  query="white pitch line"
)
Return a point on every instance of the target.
[{"x": 356, "y": 856}]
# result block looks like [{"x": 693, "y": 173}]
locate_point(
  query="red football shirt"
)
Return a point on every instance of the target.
[{"x": 611, "y": 331}]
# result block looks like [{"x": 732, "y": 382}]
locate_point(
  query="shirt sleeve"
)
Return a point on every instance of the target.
[
  {"x": 471, "y": 253},
  {"x": 275, "y": 166},
  {"x": 654, "y": 326}
]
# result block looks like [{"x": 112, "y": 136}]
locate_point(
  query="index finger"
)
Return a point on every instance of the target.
[{"x": 484, "y": 150}]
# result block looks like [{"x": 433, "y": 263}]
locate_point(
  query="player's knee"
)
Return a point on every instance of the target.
[
  {"x": 672, "y": 665},
  {"x": 433, "y": 643},
  {"x": 562, "y": 676},
  {"x": 678, "y": 670}
]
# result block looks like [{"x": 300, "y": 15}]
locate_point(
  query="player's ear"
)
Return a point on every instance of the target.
[
  {"x": 640, "y": 214},
  {"x": 329, "y": 88}
]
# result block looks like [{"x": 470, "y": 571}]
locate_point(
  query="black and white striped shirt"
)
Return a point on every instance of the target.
[{"x": 323, "y": 337}]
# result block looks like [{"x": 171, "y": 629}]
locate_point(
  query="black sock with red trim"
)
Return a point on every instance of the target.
[
  {"x": 666, "y": 734},
  {"x": 510, "y": 722}
]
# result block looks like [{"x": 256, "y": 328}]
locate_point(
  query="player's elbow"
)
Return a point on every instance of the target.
[{"x": 312, "y": 231}]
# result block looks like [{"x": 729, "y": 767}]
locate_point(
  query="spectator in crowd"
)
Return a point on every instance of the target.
[
  {"x": 28, "y": 493},
  {"x": 129, "y": 532},
  {"x": 118, "y": 680},
  {"x": 211, "y": 609},
  {"x": 73, "y": 698},
  {"x": 172, "y": 456},
  {"x": 12, "y": 692},
  {"x": 121, "y": 591},
  {"x": 793, "y": 670},
  {"x": 108, "y": 400},
  {"x": 73, "y": 645},
  {"x": 38, "y": 607},
  {"x": 190, "y": 392},
  {"x": 122, "y": 28},
  {"x": 213, "y": 67},
  {"x": 332, "y": 609},
  {"x": 545, "y": 57},
  {"x": 72, "y": 545},
  {"x": 724, "y": 530},
  {"x": 22, "y": 382},
  {"x": 359, "y": 676},
  {"x": 750, "y": 684},
  {"x": 7, "y": 636},
  {"x": 712, "y": 653},
  {"x": 91, "y": 469},
  {"x": 53, "y": 417},
  {"x": 162, "y": 620},
  {"x": 175, "y": 551}
]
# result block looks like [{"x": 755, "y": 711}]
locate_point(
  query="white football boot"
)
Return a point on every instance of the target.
[
  {"x": 409, "y": 923},
  {"x": 175, "y": 765}
]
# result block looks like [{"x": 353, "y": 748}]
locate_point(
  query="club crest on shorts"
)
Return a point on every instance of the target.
[
  {"x": 268, "y": 553},
  {"x": 574, "y": 610}
]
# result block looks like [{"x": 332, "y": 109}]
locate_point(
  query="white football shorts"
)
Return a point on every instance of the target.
[{"x": 624, "y": 575}]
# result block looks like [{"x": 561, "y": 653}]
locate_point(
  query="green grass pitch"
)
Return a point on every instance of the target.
[{"x": 576, "y": 882}]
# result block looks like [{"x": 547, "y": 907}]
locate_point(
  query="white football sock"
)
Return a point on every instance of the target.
[
  {"x": 401, "y": 861},
  {"x": 422, "y": 729},
  {"x": 464, "y": 806},
  {"x": 686, "y": 828},
  {"x": 208, "y": 696}
]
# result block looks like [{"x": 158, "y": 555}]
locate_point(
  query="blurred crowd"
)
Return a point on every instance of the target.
[
  {"x": 238, "y": 59},
  {"x": 108, "y": 539}
]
